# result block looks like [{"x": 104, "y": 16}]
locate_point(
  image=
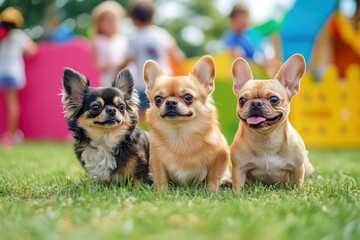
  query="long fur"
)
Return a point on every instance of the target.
[{"x": 111, "y": 154}]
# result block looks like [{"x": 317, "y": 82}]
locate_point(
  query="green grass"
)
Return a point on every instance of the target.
[
  {"x": 225, "y": 101},
  {"x": 44, "y": 194}
]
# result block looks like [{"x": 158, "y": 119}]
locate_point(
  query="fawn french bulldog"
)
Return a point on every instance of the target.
[{"x": 266, "y": 147}]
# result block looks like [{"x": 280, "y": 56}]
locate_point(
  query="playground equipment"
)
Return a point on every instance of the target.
[
  {"x": 302, "y": 25},
  {"x": 327, "y": 113}
]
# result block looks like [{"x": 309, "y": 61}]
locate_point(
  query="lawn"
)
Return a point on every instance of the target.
[{"x": 44, "y": 194}]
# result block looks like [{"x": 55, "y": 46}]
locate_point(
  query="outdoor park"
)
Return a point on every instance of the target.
[{"x": 46, "y": 194}]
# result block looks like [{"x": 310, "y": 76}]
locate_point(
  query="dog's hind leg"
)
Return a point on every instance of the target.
[{"x": 297, "y": 176}]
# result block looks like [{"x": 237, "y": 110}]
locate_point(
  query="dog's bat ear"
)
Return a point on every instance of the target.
[
  {"x": 204, "y": 71},
  {"x": 241, "y": 73},
  {"x": 75, "y": 86},
  {"x": 125, "y": 82},
  {"x": 152, "y": 71},
  {"x": 291, "y": 72}
]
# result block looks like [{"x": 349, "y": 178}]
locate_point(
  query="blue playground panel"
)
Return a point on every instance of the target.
[{"x": 303, "y": 24}]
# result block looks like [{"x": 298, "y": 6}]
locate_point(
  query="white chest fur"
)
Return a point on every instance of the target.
[
  {"x": 269, "y": 169},
  {"x": 183, "y": 176},
  {"x": 99, "y": 160}
]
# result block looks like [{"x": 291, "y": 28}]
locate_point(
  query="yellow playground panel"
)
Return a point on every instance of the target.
[
  {"x": 326, "y": 113},
  {"x": 223, "y": 62}
]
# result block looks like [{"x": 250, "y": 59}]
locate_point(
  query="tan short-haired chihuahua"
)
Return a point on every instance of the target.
[
  {"x": 266, "y": 147},
  {"x": 186, "y": 144}
]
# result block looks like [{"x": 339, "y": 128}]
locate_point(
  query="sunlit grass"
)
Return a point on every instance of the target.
[{"x": 44, "y": 194}]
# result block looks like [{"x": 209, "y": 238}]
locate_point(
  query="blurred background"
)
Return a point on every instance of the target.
[
  {"x": 326, "y": 112},
  {"x": 197, "y": 25}
]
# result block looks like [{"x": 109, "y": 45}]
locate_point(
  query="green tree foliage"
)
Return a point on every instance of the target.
[
  {"x": 203, "y": 16},
  {"x": 33, "y": 10},
  {"x": 201, "y": 20}
]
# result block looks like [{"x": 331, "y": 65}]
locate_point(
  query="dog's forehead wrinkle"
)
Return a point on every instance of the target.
[
  {"x": 261, "y": 88},
  {"x": 178, "y": 86}
]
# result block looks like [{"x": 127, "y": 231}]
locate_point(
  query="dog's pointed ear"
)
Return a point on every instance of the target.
[
  {"x": 75, "y": 86},
  {"x": 152, "y": 71},
  {"x": 125, "y": 82},
  {"x": 204, "y": 71},
  {"x": 291, "y": 73},
  {"x": 241, "y": 73}
]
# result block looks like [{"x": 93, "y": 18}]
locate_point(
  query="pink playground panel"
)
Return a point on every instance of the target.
[{"x": 42, "y": 114}]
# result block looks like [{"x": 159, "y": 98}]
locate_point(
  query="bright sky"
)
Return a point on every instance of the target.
[
  {"x": 263, "y": 10},
  {"x": 260, "y": 10}
]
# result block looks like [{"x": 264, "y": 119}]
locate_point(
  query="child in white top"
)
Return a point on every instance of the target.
[
  {"x": 14, "y": 43},
  {"x": 109, "y": 46},
  {"x": 149, "y": 42}
]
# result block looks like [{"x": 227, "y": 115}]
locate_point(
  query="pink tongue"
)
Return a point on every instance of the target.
[{"x": 255, "y": 120}]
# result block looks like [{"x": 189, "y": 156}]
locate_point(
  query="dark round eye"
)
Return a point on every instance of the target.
[
  {"x": 95, "y": 108},
  {"x": 121, "y": 107},
  {"x": 188, "y": 98},
  {"x": 242, "y": 101},
  {"x": 158, "y": 100},
  {"x": 274, "y": 100}
]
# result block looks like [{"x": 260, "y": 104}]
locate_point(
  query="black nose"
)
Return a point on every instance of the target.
[
  {"x": 256, "y": 104},
  {"x": 111, "y": 111},
  {"x": 171, "y": 104}
]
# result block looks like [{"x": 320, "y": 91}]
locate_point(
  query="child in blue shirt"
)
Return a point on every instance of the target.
[{"x": 235, "y": 39}]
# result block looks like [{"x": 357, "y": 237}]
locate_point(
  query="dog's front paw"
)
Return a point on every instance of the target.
[
  {"x": 236, "y": 187},
  {"x": 213, "y": 185},
  {"x": 161, "y": 187}
]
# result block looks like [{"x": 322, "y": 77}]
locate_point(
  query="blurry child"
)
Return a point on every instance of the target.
[
  {"x": 149, "y": 42},
  {"x": 109, "y": 46},
  {"x": 13, "y": 44},
  {"x": 235, "y": 39},
  {"x": 238, "y": 43}
]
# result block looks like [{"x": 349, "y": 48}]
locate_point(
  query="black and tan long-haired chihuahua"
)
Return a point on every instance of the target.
[{"x": 108, "y": 142}]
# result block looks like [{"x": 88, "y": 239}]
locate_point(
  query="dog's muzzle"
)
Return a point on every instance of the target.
[{"x": 171, "y": 104}]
